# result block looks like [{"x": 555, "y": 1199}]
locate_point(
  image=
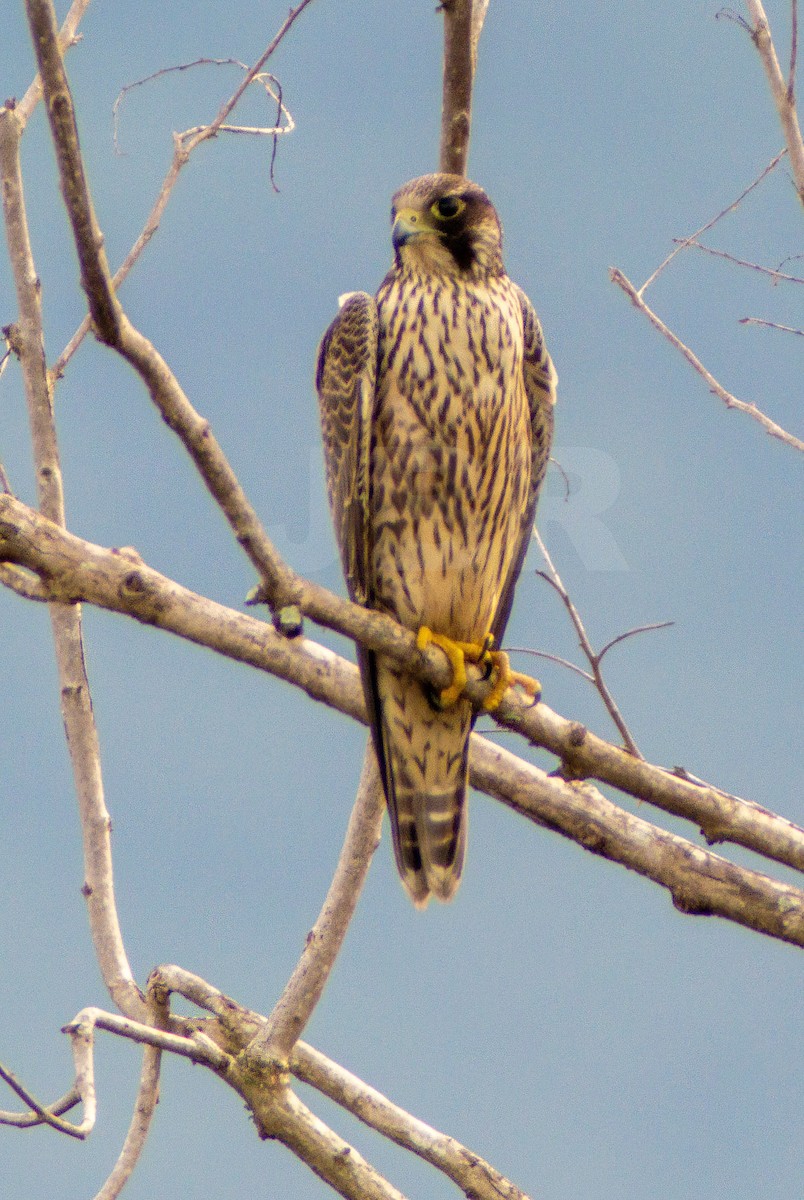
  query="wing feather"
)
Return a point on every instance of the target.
[
  {"x": 540, "y": 387},
  {"x": 345, "y": 381}
]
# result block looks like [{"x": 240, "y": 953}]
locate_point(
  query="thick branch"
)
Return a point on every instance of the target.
[
  {"x": 456, "y": 110},
  {"x": 122, "y": 583},
  {"x": 477, "y": 1178},
  {"x": 237, "y": 1027},
  {"x": 67, "y": 38},
  {"x": 701, "y": 883},
  {"x": 332, "y": 1159}
]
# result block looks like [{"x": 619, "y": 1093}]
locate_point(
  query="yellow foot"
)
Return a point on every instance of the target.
[
  {"x": 458, "y": 653},
  {"x": 496, "y": 661},
  {"x": 506, "y": 678}
]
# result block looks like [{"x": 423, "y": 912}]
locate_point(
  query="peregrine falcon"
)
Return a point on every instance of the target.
[{"x": 436, "y": 401}]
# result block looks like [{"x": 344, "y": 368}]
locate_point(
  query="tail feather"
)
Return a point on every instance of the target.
[{"x": 424, "y": 762}]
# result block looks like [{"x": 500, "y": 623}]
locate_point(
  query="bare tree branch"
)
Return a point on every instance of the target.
[
  {"x": 197, "y": 1047},
  {"x": 476, "y": 1178},
  {"x": 730, "y": 401},
  {"x": 463, "y": 23},
  {"x": 183, "y": 146},
  {"x": 264, "y": 79},
  {"x": 770, "y": 325},
  {"x": 594, "y": 659},
  {"x": 629, "y": 633},
  {"x": 285, "y": 1117},
  {"x": 791, "y": 78},
  {"x": 783, "y": 93},
  {"x": 701, "y": 883},
  {"x": 114, "y": 329},
  {"x": 237, "y": 1027},
  {"x": 303, "y": 990},
  {"x": 76, "y": 702},
  {"x": 776, "y": 275},
  {"x": 145, "y": 1103},
  {"x": 23, "y": 583},
  {"x": 144, "y": 1108},
  {"x": 39, "y": 1114},
  {"x": 124, "y": 584},
  {"x": 682, "y": 243},
  {"x": 553, "y": 658},
  {"x": 68, "y": 37}
]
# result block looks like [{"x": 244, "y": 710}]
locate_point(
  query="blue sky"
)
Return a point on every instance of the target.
[{"x": 560, "y": 1017}]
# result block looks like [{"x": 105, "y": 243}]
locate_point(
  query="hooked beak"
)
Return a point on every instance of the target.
[{"x": 409, "y": 224}]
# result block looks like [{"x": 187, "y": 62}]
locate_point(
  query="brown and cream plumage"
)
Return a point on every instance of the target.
[{"x": 436, "y": 403}]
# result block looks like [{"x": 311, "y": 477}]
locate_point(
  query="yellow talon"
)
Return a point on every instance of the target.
[
  {"x": 458, "y": 653},
  {"x": 507, "y": 678}
]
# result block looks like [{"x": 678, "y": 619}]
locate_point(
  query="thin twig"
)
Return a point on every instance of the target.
[
  {"x": 183, "y": 146},
  {"x": 631, "y": 633},
  {"x": 682, "y": 243},
  {"x": 554, "y": 579},
  {"x": 39, "y": 1114},
  {"x": 263, "y": 78},
  {"x": 555, "y": 658},
  {"x": 29, "y": 1119},
  {"x": 770, "y": 325},
  {"x": 777, "y": 275},
  {"x": 770, "y": 427}
]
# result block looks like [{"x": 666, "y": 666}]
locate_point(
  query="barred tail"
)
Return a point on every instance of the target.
[{"x": 423, "y": 761}]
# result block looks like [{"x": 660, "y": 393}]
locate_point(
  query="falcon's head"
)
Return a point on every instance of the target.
[{"x": 445, "y": 225}]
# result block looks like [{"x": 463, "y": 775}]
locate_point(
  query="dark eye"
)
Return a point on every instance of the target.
[{"x": 447, "y": 207}]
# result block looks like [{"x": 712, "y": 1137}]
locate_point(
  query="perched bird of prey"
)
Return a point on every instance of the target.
[{"x": 436, "y": 401}]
